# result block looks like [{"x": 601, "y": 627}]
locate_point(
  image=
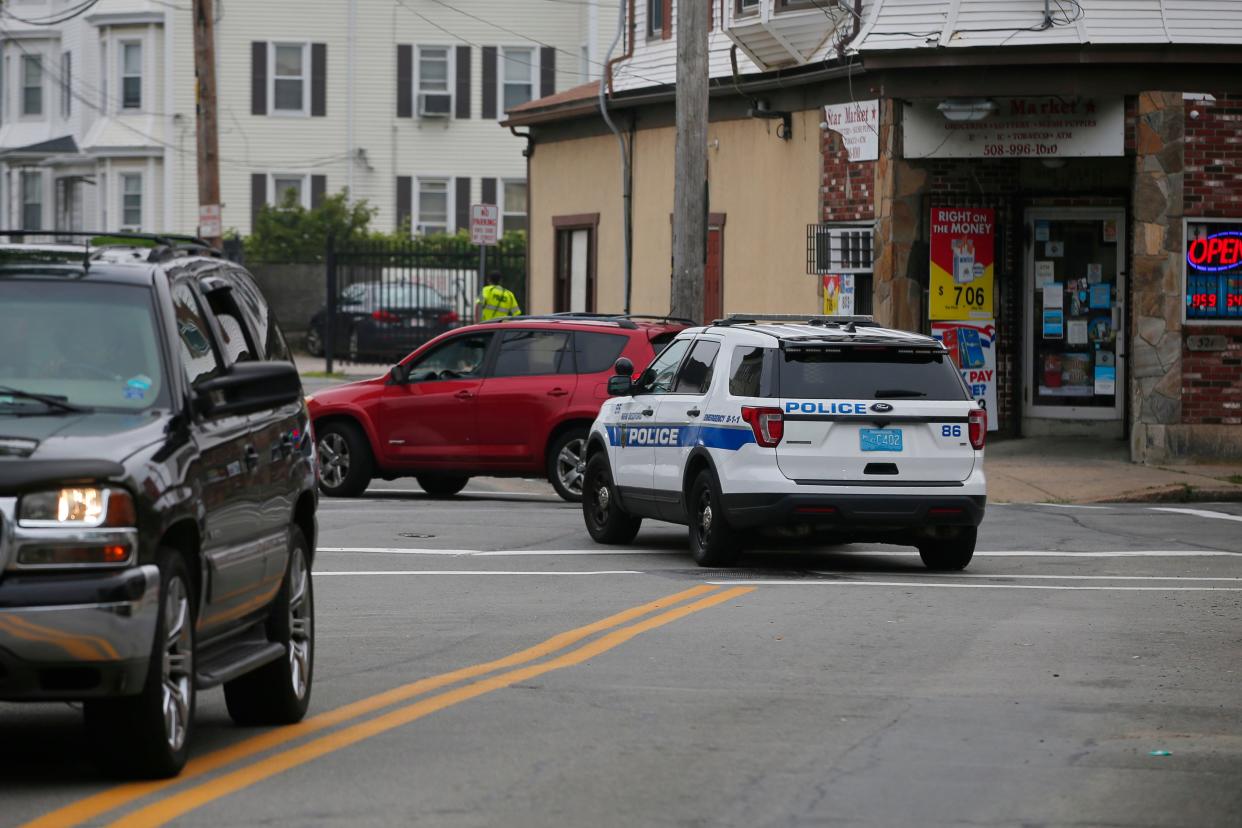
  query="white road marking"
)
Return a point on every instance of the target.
[
  {"x": 1004, "y": 577},
  {"x": 924, "y": 585},
  {"x": 1069, "y": 506},
  {"x": 1204, "y": 513},
  {"x": 875, "y": 553},
  {"x": 501, "y": 553},
  {"x": 322, "y": 574}
]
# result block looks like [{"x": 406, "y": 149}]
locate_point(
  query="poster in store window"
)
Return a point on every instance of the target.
[
  {"x": 962, "y": 263},
  {"x": 972, "y": 347}
]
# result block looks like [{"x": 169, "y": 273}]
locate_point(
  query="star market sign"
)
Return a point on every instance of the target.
[{"x": 1025, "y": 127}]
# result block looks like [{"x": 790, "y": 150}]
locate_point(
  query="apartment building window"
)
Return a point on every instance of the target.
[
  {"x": 513, "y": 206},
  {"x": 747, "y": 6},
  {"x": 131, "y": 201},
  {"x": 32, "y": 201},
  {"x": 517, "y": 76},
  {"x": 655, "y": 17},
  {"x": 433, "y": 205},
  {"x": 131, "y": 75},
  {"x": 32, "y": 85},
  {"x": 434, "y": 97},
  {"x": 66, "y": 84},
  {"x": 289, "y": 188},
  {"x": 289, "y": 78}
]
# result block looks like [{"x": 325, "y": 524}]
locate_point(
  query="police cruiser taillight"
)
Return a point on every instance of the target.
[
  {"x": 767, "y": 423},
  {"x": 978, "y": 428}
]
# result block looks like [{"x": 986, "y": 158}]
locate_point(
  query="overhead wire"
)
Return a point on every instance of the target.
[{"x": 53, "y": 19}]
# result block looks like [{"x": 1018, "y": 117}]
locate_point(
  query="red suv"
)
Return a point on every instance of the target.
[{"x": 510, "y": 397}]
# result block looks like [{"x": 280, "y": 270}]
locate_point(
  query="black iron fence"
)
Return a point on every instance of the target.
[{"x": 385, "y": 298}]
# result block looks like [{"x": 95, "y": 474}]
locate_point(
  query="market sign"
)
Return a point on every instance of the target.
[
  {"x": 962, "y": 263},
  {"x": 858, "y": 124},
  {"x": 1213, "y": 269},
  {"x": 1025, "y": 127}
]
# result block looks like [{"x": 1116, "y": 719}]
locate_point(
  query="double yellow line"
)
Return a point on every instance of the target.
[{"x": 519, "y": 668}]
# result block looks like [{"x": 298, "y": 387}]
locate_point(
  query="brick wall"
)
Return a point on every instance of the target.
[
  {"x": 847, "y": 190},
  {"x": 1213, "y": 187},
  {"x": 1212, "y": 380}
]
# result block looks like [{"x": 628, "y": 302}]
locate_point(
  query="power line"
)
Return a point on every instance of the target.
[{"x": 55, "y": 19}]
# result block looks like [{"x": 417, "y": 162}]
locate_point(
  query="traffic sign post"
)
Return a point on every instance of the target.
[{"x": 484, "y": 227}]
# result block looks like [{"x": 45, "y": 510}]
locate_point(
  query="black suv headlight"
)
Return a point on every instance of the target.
[{"x": 76, "y": 526}]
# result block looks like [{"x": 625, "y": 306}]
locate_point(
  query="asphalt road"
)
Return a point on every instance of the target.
[{"x": 828, "y": 686}]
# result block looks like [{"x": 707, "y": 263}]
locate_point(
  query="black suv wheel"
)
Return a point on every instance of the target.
[
  {"x": 279, "y": 693},
  {"x": 148, "y": 735},
  {"x": 601, "y": 508}
]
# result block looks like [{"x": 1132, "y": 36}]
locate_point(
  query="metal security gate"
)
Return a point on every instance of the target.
[{"x": 384, "y": 298}]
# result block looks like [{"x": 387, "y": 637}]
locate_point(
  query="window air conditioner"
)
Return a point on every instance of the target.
[{"x": 435, "y": 104}]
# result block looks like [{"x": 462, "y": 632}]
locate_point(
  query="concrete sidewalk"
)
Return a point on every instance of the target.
[
  {"x": 1084, "y": 470},
  {"x": 1025, "y": 470}
]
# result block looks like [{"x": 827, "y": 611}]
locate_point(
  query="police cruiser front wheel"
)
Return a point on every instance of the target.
[
  {"x": 601, "y": 508},
  {"x": 712, "y": 541},
  {"x": 949, "y": 554}
]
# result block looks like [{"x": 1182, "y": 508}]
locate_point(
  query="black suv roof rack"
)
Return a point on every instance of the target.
[{"x": 163, "y": 246}]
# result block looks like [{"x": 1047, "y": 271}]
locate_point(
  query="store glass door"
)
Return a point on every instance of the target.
[{"x": 1075, "y": 289}]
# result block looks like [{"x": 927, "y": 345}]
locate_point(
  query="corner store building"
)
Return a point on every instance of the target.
[{"x": 1144, "y": 114}]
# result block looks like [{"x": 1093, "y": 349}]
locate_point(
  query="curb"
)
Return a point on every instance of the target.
[{"x": 1177, "y": 493}]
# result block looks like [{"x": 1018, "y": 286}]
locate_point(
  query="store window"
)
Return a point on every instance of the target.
[{"x": 1075, "y": 286}]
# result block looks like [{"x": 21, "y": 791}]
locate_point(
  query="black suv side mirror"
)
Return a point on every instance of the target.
[
  {"x": 622, "y": 384},
  {"x": 249, "y": 387}
]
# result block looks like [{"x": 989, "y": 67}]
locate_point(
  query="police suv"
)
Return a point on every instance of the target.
[{"x": 792, "y": 425}]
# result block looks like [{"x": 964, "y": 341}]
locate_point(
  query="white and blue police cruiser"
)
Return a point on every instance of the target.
[{"x": 797, "y": 425}]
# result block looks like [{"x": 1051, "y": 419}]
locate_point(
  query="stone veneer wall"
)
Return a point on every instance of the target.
[
  {"x": 898, "y": 194},
  {"x": 1155, "y": 364}
]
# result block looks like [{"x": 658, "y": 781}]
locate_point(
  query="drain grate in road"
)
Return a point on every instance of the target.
[
  {"x": 748, "y": 574},
  {"x": 414, "y": 535}
]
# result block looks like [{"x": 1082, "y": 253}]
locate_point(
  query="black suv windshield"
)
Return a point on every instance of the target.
[
  {"x": 867, "y": 374},
  {"x": 89, "y": 345}
]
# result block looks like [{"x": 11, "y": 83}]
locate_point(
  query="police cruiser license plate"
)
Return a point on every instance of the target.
[{"x": 880, "y": 439}]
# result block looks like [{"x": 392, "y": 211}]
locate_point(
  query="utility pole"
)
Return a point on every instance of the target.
[
  {"x": 690, "y": 161},
  {"x": 209, "y": 221}
]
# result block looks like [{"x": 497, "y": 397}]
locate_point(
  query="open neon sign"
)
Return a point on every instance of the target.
[{"x": 1216, "y": 253}]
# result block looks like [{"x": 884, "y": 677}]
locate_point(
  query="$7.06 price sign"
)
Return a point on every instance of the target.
[{"x": 962, "y": 263}]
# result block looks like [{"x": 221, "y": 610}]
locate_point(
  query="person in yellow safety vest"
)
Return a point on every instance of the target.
[{"x": 497, "y": 300}]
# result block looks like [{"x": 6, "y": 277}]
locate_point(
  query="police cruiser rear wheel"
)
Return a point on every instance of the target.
[
  {"x": 601, "y": 508},
  {"x": 949, "y": 554},
  {"x": 712, "y": 541}
]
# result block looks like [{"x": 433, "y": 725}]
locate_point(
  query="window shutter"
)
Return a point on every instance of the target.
[
  {"x": 666, "y": 25},
  {"x": 319, "y": 80},
  {"x": 463, "y": 203},
  {"x": 489, "y": 190},
  {"x": 547, "y": 71},
  {"x": 258, "y": 197},
  {"x": 463, "y": 81},
  {"x": 405, "y": 202},
  {"x": 489, "y": 81},
  {"x": 319, "y": 188},
  {"x": 405, "y": 81},
  {"x": 258, "y": 78}
]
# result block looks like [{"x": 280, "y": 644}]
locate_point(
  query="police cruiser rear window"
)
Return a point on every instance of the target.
[{"x": 845, "y": 373}]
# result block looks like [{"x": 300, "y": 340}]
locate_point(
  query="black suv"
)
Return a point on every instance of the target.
[{"x": 157, "y": 493}]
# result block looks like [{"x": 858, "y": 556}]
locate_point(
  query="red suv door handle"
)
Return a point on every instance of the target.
[
  {"x": 464, "y": 394},
  {"x": 557, "y": 392}
]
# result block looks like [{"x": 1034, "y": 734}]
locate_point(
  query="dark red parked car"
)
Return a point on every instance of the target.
[{"x": 511, "y": 397}]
